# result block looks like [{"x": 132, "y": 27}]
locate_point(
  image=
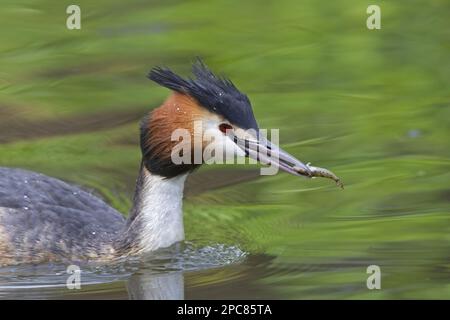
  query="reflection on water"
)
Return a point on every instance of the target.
[
  {"x": 164, "y": 286},
  {"x": 372, "y": 106},
  {"x": 159, "y": 275}
]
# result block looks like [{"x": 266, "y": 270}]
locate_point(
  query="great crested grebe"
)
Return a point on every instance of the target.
[{"x": 43, "y": 219}]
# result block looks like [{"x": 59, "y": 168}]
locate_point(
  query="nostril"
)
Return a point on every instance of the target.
[{"x": 224, "y": 127}]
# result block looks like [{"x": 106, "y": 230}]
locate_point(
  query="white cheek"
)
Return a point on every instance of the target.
[{"x": 219, "y": 148}]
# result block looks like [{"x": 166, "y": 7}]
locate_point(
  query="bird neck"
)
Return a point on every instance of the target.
[{"x": 156, "y": 218}]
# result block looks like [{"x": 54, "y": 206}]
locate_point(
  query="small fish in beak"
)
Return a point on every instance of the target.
[{"x": 319, "y": 172}]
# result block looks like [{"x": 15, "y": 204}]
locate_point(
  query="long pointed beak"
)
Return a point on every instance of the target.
[{"x": 264, "y": 151}]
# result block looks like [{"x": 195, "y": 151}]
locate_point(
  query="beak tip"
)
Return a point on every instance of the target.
[{"x": 303, "y": 169}]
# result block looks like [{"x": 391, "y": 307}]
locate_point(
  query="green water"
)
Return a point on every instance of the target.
[{"x": 372, "y": 105}]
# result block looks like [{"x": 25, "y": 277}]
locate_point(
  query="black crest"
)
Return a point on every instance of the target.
[{"x": 217, "y": 94}]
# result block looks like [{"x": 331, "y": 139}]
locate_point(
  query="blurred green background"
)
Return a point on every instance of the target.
[{"x": 371, "y": 105}]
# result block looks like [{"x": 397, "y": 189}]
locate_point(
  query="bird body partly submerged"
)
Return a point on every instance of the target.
[{"x": 46, "y": 219}]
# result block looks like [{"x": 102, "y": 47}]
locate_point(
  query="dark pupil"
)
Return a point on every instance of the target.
[{"x": 224, "y": 127}]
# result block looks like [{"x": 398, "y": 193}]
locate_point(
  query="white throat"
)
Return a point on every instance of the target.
[{"x": 160, "y": 211}]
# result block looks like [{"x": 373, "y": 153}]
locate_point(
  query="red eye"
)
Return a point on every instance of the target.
[{"x": 224, "y": 127}]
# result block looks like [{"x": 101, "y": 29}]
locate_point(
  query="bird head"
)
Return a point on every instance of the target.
[{"x": 204, "y": 113}]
